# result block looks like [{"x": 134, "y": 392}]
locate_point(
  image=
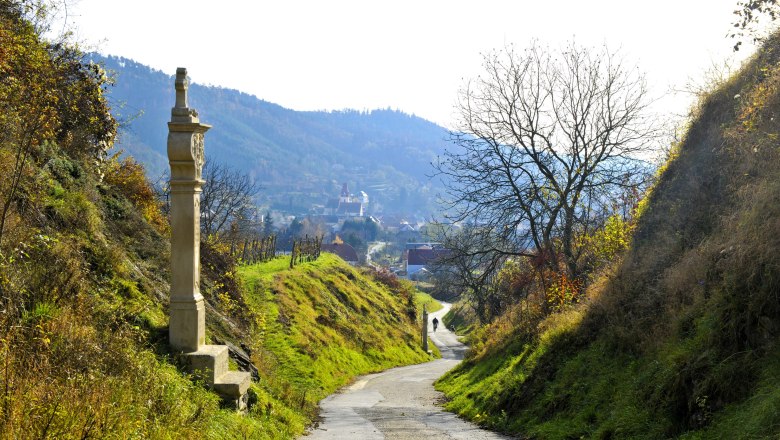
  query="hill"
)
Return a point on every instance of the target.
[
  {"x": 318, "y": 326},
  {"x": 680, "y": 337},
  {"x": 84, "y": 283},
  {"x": 300, "y": 158}
]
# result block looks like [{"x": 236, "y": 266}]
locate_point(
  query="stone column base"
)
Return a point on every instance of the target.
[
  {"x": 187, "y": 326},
  {"x": 210, "y": 363}
]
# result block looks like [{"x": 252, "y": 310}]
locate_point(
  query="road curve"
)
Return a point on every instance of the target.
[{"x": 399, "y": 403}]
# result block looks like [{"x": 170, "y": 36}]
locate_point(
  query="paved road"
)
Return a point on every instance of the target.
[
  {"x": 374, "y": 248},
  {"x": 399, "y": 403}
]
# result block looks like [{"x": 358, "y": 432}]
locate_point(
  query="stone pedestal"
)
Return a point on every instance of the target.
[
  {"x": 210, "y": 363},
  {"x": 187, "y": 328}
]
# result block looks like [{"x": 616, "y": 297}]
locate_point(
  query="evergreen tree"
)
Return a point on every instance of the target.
[{"x": 268, "y": 224}]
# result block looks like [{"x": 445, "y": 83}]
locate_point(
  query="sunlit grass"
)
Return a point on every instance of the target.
[
  {"x": 323, "y": 323},
  {"x": 680, "y": 339}
]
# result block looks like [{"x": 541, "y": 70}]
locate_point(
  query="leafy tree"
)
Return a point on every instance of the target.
[
  {"x": 129, "y": 177},
  {"x": 544, "y": 143},
  {"x": 299, "y": 228},
  {"x": 468, "y": 268},
  {"x": 353, "y": 239},
  {"x": 366, "y": 230},
  {"x": 49, "y": 96}
]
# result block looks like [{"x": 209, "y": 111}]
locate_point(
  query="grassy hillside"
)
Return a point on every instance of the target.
[
  {"x": 679, "y": 338},
  {"x": 84, "y": 283},
  {"x": 319, "y": 325}
]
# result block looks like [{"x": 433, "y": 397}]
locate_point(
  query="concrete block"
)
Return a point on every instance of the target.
[
  {"x": 233, "y": 387},
  {"x": 233, "y": 383},
  {"x": 210, "y": 361}
]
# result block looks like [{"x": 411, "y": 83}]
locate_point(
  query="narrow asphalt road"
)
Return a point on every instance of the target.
[
  {"x": 399, "y": 403},
  {"x": 373, "y": 248}
]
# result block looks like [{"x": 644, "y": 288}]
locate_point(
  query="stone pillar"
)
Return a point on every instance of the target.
[
  {"x": 187, "y": 331},
  {"x": 425, "y": 329}
]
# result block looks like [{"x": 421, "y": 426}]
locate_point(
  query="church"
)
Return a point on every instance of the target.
[{"x": 347, "y": 204}]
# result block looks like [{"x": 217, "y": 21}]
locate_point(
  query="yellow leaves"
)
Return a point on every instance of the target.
[
  {"x": 562, "y": 291},
  {"x": 228, "y": 303},
  {"x": 129, "y": 177},
  {"x": 42, "y": 335},
  {"x": 27, "y": 95},
  {"x": 754, "y": 106},
  {"x": 613, "y": 238},
  {"x": 48, "y": 94}
]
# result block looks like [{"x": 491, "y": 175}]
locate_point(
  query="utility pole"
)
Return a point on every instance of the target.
[{"x": 425, "y": 329}]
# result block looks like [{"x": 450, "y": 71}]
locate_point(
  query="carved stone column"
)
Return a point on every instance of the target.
[{"x": 187, "y": 329}]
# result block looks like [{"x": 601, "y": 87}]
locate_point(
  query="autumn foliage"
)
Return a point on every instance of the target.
[{"x": 129, "y": 177}]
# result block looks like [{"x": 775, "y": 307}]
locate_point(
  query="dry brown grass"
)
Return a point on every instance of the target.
[{"x": 683, "y": 333}]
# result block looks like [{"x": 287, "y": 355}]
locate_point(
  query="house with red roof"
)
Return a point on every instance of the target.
[
  {"x": 343, "y": 250},
  {"x": 422, "y": 257}
]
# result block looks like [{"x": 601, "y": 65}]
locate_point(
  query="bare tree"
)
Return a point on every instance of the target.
[
  {"x": 468, "y": 267},
  {"x": 544, "y": 143},
  {"x": 228, "y": 196}
]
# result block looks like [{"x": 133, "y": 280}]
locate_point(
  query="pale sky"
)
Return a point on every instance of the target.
[{"x": 406, "y": 55}]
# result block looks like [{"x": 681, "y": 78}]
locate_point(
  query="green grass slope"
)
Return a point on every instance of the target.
[
  {"x": 319, "y": 325},
  {"x": 681, "y": 337}
]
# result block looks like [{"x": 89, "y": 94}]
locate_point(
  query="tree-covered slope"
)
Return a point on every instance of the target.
[
  {"x": 300, "y": 158},
  {"x": 681, "y": 338}
]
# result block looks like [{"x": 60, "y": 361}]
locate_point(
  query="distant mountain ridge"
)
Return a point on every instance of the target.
[{"x": 299, "y": 157}]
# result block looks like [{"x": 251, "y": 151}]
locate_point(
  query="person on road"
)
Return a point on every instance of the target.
[{"x": 435, "y": 324}]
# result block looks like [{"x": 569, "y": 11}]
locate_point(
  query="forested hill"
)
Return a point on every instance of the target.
[{"x": 298, "y": 157}]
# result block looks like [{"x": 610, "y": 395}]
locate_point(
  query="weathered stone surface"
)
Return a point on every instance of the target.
[
  {"x": 187, "y": 329},
  {"x": 210, "y": 362},
  {"x": 233, "y": 383},
  {"x": 240, "y": 356}
]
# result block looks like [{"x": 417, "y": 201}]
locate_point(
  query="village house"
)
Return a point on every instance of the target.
[
  {"x": 420, "y": 256},
  {"x": 343, "y": 250}
]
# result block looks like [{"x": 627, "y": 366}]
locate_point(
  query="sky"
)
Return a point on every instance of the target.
[{"x": 412, "y": 56}]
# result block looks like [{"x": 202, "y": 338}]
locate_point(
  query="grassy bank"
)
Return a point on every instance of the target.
[
  {"x": 319, "y": 325},
  {"x": 681, "y": 337}
]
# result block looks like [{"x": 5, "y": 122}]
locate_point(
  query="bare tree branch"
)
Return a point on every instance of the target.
[
  {"x": 227, "y": 196},
  {"x": 544, "y": 145}
]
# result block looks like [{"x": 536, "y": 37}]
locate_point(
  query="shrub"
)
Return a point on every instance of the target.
[{"x": 129, "y": 177}]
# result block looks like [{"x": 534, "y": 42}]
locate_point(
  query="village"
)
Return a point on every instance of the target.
[{"x": 407, "y": 244}]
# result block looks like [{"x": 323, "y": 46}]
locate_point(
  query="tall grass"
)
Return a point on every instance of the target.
[
  {"x": 323, "y": 323},
  {"x": 680, "y": 339}
]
